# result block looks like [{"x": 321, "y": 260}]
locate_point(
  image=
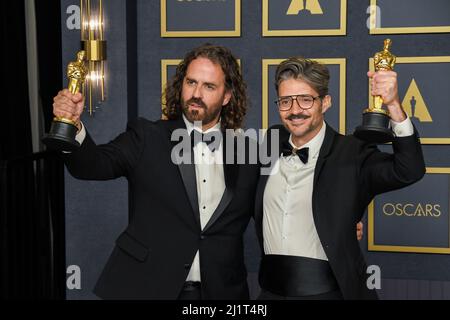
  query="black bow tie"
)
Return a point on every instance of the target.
[
  {"x": 207, "y": 138},
  {"x": 288, "y": 150}
]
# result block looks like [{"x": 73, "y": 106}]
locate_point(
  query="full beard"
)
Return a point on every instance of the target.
[{"x": 203, "y": 114}]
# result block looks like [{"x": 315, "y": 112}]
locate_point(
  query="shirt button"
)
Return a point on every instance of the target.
[
  {"x": 204, "y": 180},
  {"x": 204, "y": 207}
]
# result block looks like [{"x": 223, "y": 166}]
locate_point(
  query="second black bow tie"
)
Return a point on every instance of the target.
[{"x": 302, "y": 153}]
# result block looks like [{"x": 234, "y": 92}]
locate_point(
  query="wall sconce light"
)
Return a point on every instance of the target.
[
  {"x": 92, "y": 37},
  {"x": 86, "y": 77}
]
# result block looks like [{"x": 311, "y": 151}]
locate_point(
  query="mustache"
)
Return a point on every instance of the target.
[
  {"x": 297, "y": 116},
  {"x": 197, "y": 101}
]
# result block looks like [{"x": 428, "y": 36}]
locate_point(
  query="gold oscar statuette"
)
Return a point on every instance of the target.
[
  {"x": 63, "y": 131},
  {"x": 375, "y": 124}
]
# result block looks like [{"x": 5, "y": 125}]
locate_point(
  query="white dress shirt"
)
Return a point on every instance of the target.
[
  {"x": 288, "y": 224},
  {"x": 210, "y": 185}
]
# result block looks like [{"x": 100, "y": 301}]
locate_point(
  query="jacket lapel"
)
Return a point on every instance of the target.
[
  {"x": 187, "y": 173},
  {"x": 324, "y": 152}
]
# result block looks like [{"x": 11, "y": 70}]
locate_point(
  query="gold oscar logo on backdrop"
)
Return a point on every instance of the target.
[
  {"x": 415, "y": 105},
  {"x": 304, "y": 18},
  {"x": 313, "y": 6},
  {"x": 412, "y": 210}
]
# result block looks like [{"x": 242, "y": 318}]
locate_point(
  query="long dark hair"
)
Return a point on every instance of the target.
[{"x": 232, "y": 114}]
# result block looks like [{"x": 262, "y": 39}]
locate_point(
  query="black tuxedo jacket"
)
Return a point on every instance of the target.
[
  {"x": 348, "y": 174},
  {"x": 152, "y": 257}
]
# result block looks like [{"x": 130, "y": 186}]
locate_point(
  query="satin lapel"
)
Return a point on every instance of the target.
[
  {"x": 259, "y": 200},
  {"x": 231, "y": 172},
  {"x": 187, "y": 172},
  {"x": 323, "y": 155},
  {"x": 324, "y": 151}
]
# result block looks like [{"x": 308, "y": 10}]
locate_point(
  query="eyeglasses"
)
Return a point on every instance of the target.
[{"x": 305, "y": 101}]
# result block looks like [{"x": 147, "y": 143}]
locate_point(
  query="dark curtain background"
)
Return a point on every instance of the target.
[
  {"x": 15, "y": 128},
  {"x": 48, "y": 16},
  {"x": 32, "y": 235}
]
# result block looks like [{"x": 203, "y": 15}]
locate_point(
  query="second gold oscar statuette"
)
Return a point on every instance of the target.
[{"x": 375, "y": 125}]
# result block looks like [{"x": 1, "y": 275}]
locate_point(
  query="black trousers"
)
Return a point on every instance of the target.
[
  {"x": 332, "y": 295},
  {"x": 191, "y": 291}
]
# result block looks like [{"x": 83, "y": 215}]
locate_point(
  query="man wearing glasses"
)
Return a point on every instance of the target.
[{"x": 321, "y": 187}]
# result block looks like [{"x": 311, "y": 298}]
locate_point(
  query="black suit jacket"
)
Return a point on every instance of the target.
[
  {"x": 348, "y": 174},
  {"x": 152, "y": 257}
]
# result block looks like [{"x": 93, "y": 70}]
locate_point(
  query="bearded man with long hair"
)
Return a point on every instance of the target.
[{"x": 184, "y": 239}]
